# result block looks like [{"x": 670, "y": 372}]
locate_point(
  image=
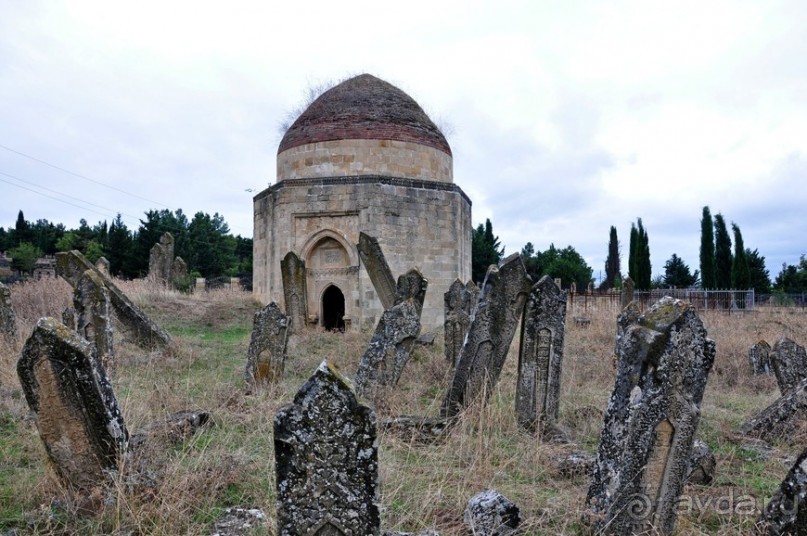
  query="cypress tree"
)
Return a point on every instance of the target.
[
  {"x": 707, "y": 250},
  {"x": 643, "y": 268},
  {"x": 722, "y": 254},
  {"x": 612, "y": 267},
  {"x": 633, "y": 253},
  {"x": 740, "y": 271}
]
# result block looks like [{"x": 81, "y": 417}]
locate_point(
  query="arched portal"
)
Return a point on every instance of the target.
[{"x": 333, "y": 309}]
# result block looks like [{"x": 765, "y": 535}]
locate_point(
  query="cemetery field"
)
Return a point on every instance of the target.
[{"x": 185, "y": 487}]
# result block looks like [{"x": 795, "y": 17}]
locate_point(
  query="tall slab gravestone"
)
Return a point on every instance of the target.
[
  {"x": 759, "y": 357},
  {"x": 627, "y": 292},
  {"x": 292, "y": 271},
  {"x": 664, "y": 359},
  {"x": 266, "y": 355},
  {"x": 412, "y": 286},
  {"x": 459, "y": 302},
  {"x": 492, "y": 329},
  {"x": 8, "y": 320},
  {"x": 377, "y": 268},
  {"x": 161, "y": 260},
  {"x": 78, "y": 416},
  {"x": 94, "y": 312},
  {"x": 541, "y": 356},
  {"x": 789, "y": 363},
  {"x": 326, "y": 458}
]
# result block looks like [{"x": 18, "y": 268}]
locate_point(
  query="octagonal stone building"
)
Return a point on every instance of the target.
[{"x": 363, "y": 157}]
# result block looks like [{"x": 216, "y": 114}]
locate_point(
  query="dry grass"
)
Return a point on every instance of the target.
[{"x": 184, "y": 488}]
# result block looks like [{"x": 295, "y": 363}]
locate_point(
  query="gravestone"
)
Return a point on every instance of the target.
[
  {"x": 78, "y": 416},
  {"x": 786, "y": 511},
  {"x": 292, "y": 271},
  {"x": 664, "y": 359},
  {"x": 161, "y": 259},
  {"x": 779, "y": 420},
  {"x": 540, "y": 357},
  {"x": 94, "y": 314},
  {"x": 8, "y": 320},
  {"x": 326, "y": 458},
  {"x": 459, "y": 302},
  {"x": 102, "y": 264},
  {"x": 71, "y": 265},
  {"x": 789, "y": 363},
  {"x": 69, "y": 317},
  {"x": 412, "y": 286},
  {"x": 759, "y": 356},
  {"x": 489, "y": 336},
  {"x": 489, "y": 513},
  {"x": 627, "y": 291},
  {"x": 377, "y": 268},
  {"x": 179, "y": 271},
  {"x": 267, "y": 347}
]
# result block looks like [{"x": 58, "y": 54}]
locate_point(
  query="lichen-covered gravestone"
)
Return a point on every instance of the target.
[
  {"x": 459, "y": 303},
  {"x": 326, "y": 458},
  {"x": 78, "y": 416},
  {"x": 412, "y": 286},
  {"x": 94, "y": 322},
  {"x": 789, "y": 363},
  {"x": 377, "y": 268},
  {"x": 292, "y": 270},
  {"x": 8, "y": 321},
  {"x": 492, "y": 329},
  {"x": 267, "y": 347},
  {"x": 541, "y": 356},
  {"x": 664, "y": 359},
  {"x": 780, "y": 419},
  {"x": 759, "y": 357},
  {"x": 786, "y": 512}
]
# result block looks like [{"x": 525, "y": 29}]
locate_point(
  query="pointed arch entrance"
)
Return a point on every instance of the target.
[{"x": 333, "y": 309}]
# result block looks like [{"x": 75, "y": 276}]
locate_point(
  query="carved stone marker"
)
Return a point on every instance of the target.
[
  {"x": 492, "y": 329},
  {"x": 292, "y": 271},
  {"x": 759, "y": 356},
  {"x": 789, "y": 363},
  {"x": 779, "y": 420},
  {"x": 103, "y": 265},
  {"x": 326, "y": 458},
  {"x": 412, "y": 286},
  {"x": 378, "y": 269},
  {"x": 267, "y": 347},
  {"x": 161, "y": 260},
  {"x": 94, "y": 322},
  {"x": 71, "y": 266},
  {"x": 541, "y": 356},
  {"x": 78, "y": 416},
  {"x": 664, "y": 359},
  {"x": 627, "y": 291},
  {"x": 785, "y": 512},
  {"x": 459, "y": 303},
  {"x": 8, "y": 321}
]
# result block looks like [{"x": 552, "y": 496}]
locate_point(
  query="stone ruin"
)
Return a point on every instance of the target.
[
  {"x": 267, "y": 347},
  {"x": 759, "y": 357},
  {"x": 8, "y": 320},
  {"x": 295, "y": 292},
  {"x": 94, "y": 314},
  {"x": 377, "y": 268},
  {"x": 789, "y": 363},
  {"x": 326, "y": 458},
  {"x": 540, "y": 358},
  {"x": 664, "y": 359},
  {"x": 459, "y": 301},
  {"x": 786, "y": 511}
]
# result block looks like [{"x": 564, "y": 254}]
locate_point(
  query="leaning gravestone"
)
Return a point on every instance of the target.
[
  {"x": 759, "y": 356},
  {"x": 627, "y": 292},
  {"x": 267, "y": 348},
  {"x": 8, "y": 321},
  {"x": 459, "y": 302},
  {"x": 377, "y": 268},
  {"x": 292, "y": 270},
  {"x": 540, "y": 357},
  {"x": 492, "y": 329},
  {"x": 326, "y": 458},
  {"x": 780, "y": 419},
  {"x": 78, "y": 416},
  {"x": 789, "y": 363},
  {"x": 664, "y": 358},
  {"x": 94, "y": 323},
  {"x": 71, "y": 266},
  {"x": 786, "y": 512}
]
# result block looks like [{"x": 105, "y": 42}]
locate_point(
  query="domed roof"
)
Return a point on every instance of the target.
[{"x": 364, "y": 107}]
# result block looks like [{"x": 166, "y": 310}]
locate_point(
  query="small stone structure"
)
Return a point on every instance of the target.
[
  {"x": 71, "y": 266},
  {"x": 627, "y": 291},
  {"x": 326, "y": 458},
  {"x": 459, "y": 303},
  {"x": 94, "y": 322},
  {"x": 780, "y": 419},
  {"x": 292, "y": 271},
  {"x": 759, "y": 357},
  {"x": 8, "y": 320},
  {"x": 489, "y": 513},
  {"x": 494, "y": 324},
  {"x": 664, "y": 359},
  {"x": 540, "y": 357},
  {"x": 267, "y": 347},
  {"x": 789, "y": 363},
  {"x": 785, "y": 511},
  {"x": 377, "y": 268},
  {"x": 78, "y": 416}
]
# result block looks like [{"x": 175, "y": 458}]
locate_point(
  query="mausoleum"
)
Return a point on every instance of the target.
[{"x": 363, "y": 157}]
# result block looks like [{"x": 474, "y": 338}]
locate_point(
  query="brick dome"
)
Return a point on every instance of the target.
[{"x": 364, "y": 108}]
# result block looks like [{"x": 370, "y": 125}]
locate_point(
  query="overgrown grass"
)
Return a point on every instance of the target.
[{"x": 232, "y": 463}]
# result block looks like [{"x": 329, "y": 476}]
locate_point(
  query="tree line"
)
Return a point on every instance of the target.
[{"x": 204, "y": 242}]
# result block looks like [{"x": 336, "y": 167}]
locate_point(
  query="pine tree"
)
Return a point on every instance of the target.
[
  {"x": 760, "y": 277},
  {"x": 740, "y": 271},
  {"x": 707, "y": 250},
  {"x": 723, "y": 259},
  {"x": 612, "y": 267}
]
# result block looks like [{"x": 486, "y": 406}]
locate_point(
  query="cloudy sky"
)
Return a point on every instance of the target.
[{"x": 564, "y": 117}]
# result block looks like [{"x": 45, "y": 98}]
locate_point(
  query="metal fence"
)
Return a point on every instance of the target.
[{"x": 720, "y": 300}]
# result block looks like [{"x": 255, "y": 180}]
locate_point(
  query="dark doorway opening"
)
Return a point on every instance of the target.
[{"x": 333, "y": 309}]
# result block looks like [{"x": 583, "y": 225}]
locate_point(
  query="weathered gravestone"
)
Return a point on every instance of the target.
[
  {"x": 759, "y": 356},
  {"x": 786, "y": 512},
  {"x": 78, "y": 416},
  {"x": 267, "y": 347},
  {"x": 94, "y": 323},
  {"x": 71, "y": 266},
  {"x": 664, "y": 358},
  {"x": 292, "y": 270},
  {"x": 377, "y": 268},
  {"x": 398, "y": 328},
  {"x": 789, "y": 363},
  {"x": 780, "y": 419},
  {"x": 489, "y": 513},
  {"x": 540, "y": 357},
  {"x": 8, "y": 321},
  {"x": 492, "y": 329},
  {"x": 102, "y": 264},
  {"x": 627, "y": 291},
  {"x": 161, "y": 260},
  {"x": 179, "y": 271},
  {"x": 326, "y": 458},
  {"x": 459, "y": 303}
]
